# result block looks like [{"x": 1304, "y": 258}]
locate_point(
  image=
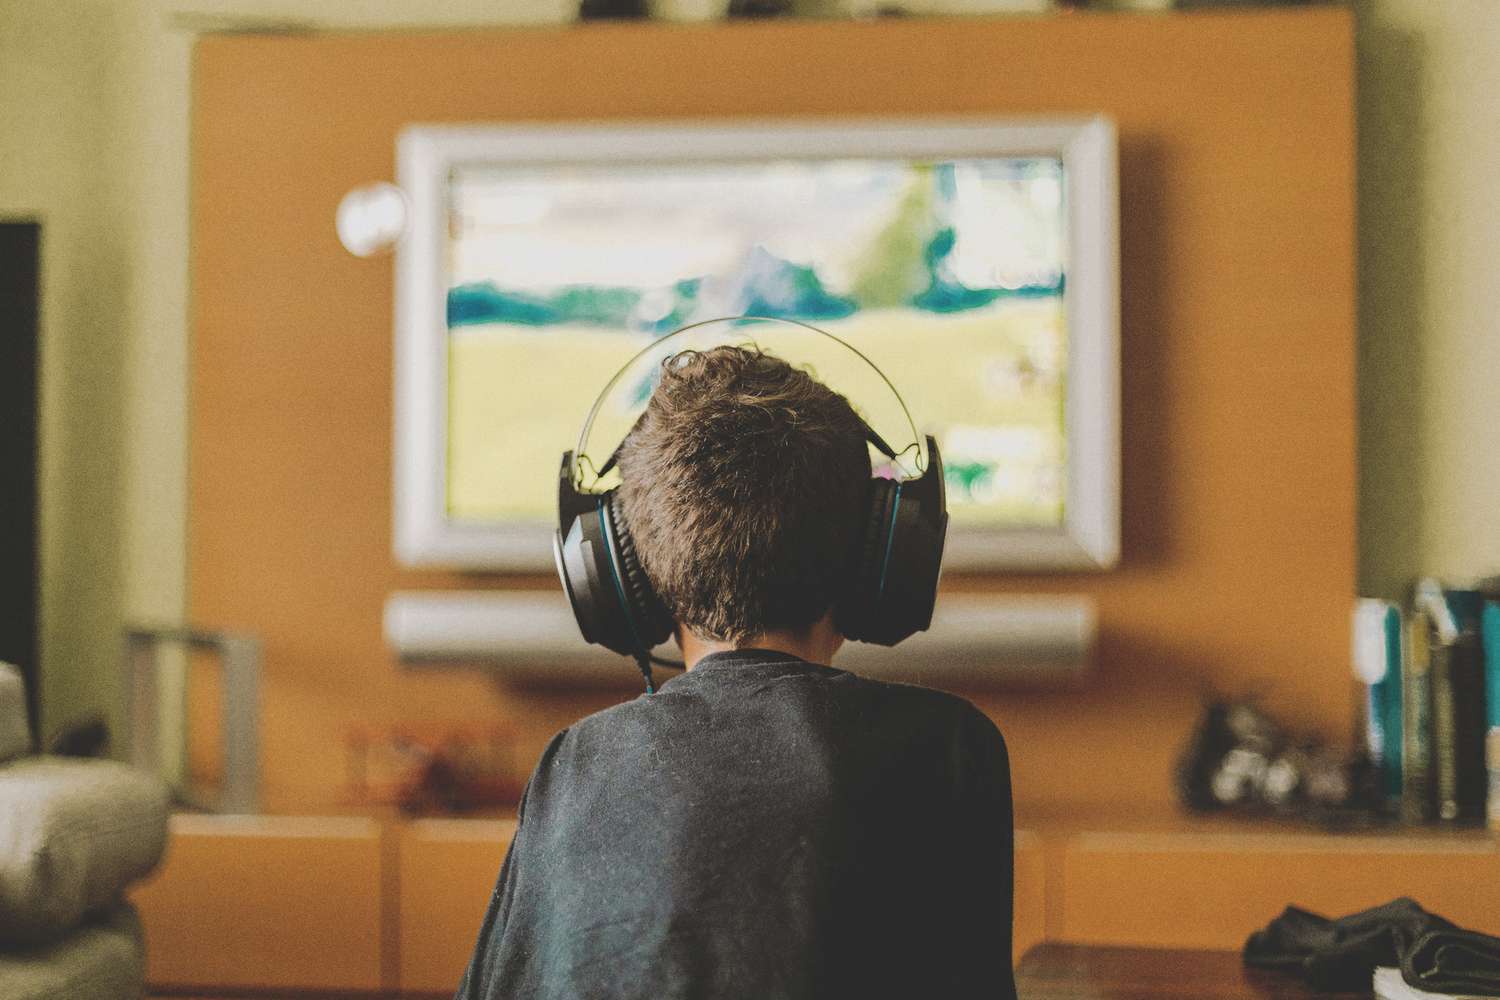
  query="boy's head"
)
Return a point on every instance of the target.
[{"x": 743, "y": 484}]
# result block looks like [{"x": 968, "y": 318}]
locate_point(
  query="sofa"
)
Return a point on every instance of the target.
[{"x": 74, "y": 833}]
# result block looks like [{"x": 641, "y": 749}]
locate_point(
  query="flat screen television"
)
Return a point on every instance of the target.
[
  {"x": 973, "y": 260},
  {"x": 20, "y": 340}
]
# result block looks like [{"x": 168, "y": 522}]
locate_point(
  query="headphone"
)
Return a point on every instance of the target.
[{"x": 889, "y": 591}]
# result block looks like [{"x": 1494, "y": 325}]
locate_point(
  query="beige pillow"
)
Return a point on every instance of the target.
[
  {"x": 73, "y": 834},
  {"x": 15, "y": 734}
]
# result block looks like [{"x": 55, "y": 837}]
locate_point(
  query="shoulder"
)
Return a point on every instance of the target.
[
  {"x": 608, "y": 723},
  {"x": 970, "y": 728},
  {"x": 600, "y": 736},
  {"x": 954, "y": 708}
]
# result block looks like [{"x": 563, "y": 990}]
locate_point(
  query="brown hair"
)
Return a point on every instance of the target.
[{"x": 743, "y": 484}]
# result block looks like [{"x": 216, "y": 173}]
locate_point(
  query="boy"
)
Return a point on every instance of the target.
[{"x": 765, "y": 825}]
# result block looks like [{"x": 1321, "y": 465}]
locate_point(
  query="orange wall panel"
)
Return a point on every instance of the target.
[
  {"x": 266, "y": 902},
  {"x": 1030, "y": 909},
  {"x": 1237, "y": 227},
  {"x": 448, "y": 870}
]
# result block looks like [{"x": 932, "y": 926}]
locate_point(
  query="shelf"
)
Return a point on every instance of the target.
[{"x": 976, "y": 640}]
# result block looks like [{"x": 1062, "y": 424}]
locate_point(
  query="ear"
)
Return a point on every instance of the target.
[{"x": 825, "y": 633}]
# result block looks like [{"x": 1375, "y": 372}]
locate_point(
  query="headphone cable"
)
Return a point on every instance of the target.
[{"x": 644, "y": 661}]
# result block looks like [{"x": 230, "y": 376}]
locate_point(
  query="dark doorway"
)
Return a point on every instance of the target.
[{"x": 20, "y": 293}]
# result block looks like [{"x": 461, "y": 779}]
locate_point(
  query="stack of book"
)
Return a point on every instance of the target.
[{"x": 1429, "y": 694}]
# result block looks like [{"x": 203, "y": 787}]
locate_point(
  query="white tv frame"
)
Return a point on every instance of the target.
[{"x": 1089, "y": 538}]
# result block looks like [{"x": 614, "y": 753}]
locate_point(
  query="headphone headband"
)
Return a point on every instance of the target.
[{"x": 744, "y": 331}]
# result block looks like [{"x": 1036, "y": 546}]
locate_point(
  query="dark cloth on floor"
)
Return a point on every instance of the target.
[
  {"x": 1341, "y": 955},
  {"x": 761, "y": 827}
]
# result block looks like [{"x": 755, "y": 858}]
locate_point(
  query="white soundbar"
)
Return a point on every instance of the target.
[{"x": 976, "y": 640}]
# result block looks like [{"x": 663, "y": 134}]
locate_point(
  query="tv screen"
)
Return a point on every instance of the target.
[
  {"x": 546, "y": 268},
  {"x": 948, "y": 275}
]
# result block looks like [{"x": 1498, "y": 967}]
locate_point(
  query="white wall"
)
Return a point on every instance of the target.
[
  {"x": 94, "y": 114},
  {"x": 94, "y": 102},
  {"x": 60, "y": 147},
  {"x": 1429, "y": 160}
]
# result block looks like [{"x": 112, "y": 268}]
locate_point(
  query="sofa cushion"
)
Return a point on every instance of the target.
[
  {"x": 73, "y": 834},
  {"x": 102, "y": 960},
  {"x": 15, "y": 734}
]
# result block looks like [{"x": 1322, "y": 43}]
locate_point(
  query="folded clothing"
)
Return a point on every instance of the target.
[
  {"x": 73, "y": 834},
  {"x": 102, "y": 960},
  {"x": 1341, "y": 955},
  {"x": 1390, "y": 986}
]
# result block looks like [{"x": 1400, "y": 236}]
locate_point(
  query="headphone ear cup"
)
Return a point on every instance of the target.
[
  {"x": 855, "y": 613},
  {"x": 652, "y": 619}
]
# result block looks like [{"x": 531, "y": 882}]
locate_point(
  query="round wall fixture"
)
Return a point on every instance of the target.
[{"x": 371, "y": 218}]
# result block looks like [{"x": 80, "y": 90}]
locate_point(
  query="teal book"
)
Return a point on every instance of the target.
[
  {"x": 1490, "y": 638},
  {"x": 1467, "y": 607}
]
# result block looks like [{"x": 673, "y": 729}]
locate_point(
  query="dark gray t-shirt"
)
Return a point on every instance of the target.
[{"x": 761, "y": 827}]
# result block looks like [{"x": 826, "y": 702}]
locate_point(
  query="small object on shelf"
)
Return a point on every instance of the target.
[
  {"x": 1192, "y": 4},
  {"x": 759, "y": 8},
  {"x": 975, "y": 7},
  {"x": 839, "y": 8},
  {"x": 611, "y": 10},
  {"x": 919, "y": 8},
  {"x": 688, "y": 10},
  {"x": 1136, "y": 5},
  {"x": 432, "y": 771},
  {"x": 1164, "y": 5},
  {"x": 1241, "y": 759}
]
